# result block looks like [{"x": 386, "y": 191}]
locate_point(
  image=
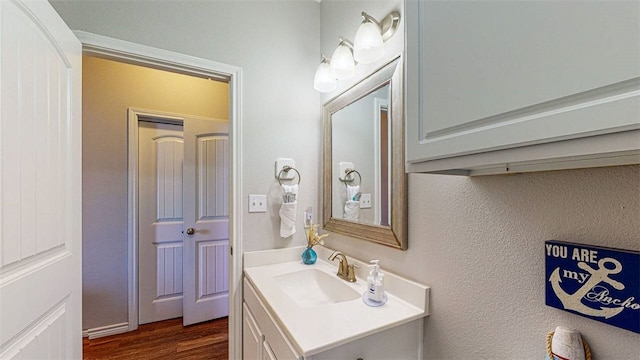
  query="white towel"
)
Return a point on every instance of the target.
[
  {"x": 288, "y": 219},
  {"x": 351, "y": 210},
  {"x": 352, "y": 191},
  {"x": 287, "y": 191},
  {"x": 352, "y": 205},
  {"x": 288, "y": 211}
]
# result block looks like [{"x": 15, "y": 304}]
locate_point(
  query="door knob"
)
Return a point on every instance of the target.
[{"x": 191, "y": 231}]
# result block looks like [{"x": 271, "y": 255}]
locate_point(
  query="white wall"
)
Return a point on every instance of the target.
[
  {"x": 478, "y": 242},
  {"x": 276, "y": 45}
]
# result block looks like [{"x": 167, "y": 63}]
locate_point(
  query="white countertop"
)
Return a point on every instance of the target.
[{"x": 316, "y": 329}]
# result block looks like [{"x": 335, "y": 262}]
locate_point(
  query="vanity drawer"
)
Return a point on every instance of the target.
[{"x": 278, "y": 342}]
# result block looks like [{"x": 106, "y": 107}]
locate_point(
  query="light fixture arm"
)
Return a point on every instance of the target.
[
  {"x": 388, "y": 26},
  {"x": 345, "y": 42},
  {"x": 366, "y": 17}
]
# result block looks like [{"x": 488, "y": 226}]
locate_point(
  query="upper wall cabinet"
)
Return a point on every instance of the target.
[{"x": 511, "y": 86}]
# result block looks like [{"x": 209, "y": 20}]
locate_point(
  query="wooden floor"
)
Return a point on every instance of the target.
[{"x": 164, "y": 340}]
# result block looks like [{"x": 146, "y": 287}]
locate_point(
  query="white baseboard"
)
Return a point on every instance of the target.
[{"x": 105, "y": 331}]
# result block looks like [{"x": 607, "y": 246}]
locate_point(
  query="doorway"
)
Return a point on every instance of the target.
[{"x": 107, "y": 48}]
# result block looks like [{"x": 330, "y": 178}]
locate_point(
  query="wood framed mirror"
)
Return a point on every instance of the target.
[{"x": 364, "y": 182}]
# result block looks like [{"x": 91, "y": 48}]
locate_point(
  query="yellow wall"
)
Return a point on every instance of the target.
[
  {"x": 109, "y": 89},
  {"x": 113, "y": 86}
]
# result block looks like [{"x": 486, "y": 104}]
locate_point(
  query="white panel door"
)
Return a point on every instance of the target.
[
  {"x": 160, "y": 155},
  {"x": 40, "y": 184},
  {"x": 206, "y": 212}
]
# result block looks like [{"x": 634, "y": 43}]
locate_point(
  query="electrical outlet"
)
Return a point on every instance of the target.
[
  {"x": 308, "y": 217},
  {"x": 365, "y": 201},
  {"x": 257, "y": 203}
]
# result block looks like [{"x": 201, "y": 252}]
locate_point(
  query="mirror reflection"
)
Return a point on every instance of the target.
[
  {"x": 364, "y": 183},
  {"x": 360, "y": 155}
]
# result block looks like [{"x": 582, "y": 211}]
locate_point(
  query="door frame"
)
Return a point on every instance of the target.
[
  {"x": 132, "y": 53},
  {"x": 379, "y": 104}
]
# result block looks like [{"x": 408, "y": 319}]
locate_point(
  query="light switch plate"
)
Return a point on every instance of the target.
[
  {"x": 365, "y": 201},
  {"x": 257, "y": 203}
]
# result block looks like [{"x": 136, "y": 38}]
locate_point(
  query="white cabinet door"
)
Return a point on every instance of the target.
[
  {"x": 40, "y": 184},
  {"x": 252, "y": 337},
  {"x": 267, "y": 354},
  {"x": 489, "y": 76},
  {"x": 278, "y": 344}
]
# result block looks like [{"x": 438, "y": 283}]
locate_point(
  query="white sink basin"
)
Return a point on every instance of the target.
[
  {"x": 311, "y": 299},
  {"x": 313, "y": 287}
]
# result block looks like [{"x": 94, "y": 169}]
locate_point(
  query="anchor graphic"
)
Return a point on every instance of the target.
[{"x": 573, "y": 301}]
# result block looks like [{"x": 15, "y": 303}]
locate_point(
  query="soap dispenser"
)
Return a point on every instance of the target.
[{"x": 375, "y": 296}]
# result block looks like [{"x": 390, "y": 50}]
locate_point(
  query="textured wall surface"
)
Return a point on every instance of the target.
[
  {"x": 109, "y": 89},
  {"x": 479, "y": 243}
]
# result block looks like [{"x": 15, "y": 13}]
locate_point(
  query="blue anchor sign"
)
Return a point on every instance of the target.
[{"x": 600, "y": 283}]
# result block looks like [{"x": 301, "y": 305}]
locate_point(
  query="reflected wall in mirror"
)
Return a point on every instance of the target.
[
  {"x": 364, "y": 183},
  {"x": 361, "y": 138}
]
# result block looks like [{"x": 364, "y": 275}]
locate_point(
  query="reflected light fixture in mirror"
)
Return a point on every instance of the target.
[
  {"x": 368, "y": 45},
  {"x": 342, "y": 64},
  {"x": 323, "y": 81}
]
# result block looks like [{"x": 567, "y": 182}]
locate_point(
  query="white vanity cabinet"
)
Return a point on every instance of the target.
[
  {"x": 270, "y": 343},
  {"x": 264, "y": 338},
  {"x": 400, "y": 343},
  {"x": 509, "y": 86},
  {"x": 306, "y": 312}
]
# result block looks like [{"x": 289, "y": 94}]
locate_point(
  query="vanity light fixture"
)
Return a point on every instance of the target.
[
  {"x": 367, "y": 48},
  {"x": 342, "y": 64},
  {"x": 323, "y": 81},
  {"x": 368, "y": 45}
]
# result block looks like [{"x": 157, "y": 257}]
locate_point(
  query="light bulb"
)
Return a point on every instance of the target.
[
  {"x": 342, "y": 64},
  {"x": 368, "y": 46},
  {"x": 323, "y": 81}
]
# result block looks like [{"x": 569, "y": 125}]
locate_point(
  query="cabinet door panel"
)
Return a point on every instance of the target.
[
  {"x": 267, "y": 354},
  {"x": 498, "y": 75},
  {"x": 252, "y": 337}
]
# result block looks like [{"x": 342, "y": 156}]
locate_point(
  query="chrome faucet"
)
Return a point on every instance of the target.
[{"x": 345, "y": 271}]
